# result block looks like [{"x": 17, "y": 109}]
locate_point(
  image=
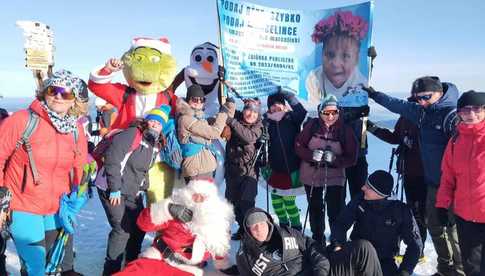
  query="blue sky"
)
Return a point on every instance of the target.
[{"x": 412, "y": 38}]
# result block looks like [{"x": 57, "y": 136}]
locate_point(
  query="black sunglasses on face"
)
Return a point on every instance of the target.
[{"x": 423, "y": 97}]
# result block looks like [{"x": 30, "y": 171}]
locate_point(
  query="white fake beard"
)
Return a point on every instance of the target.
[{"x": 212, "y": 219}]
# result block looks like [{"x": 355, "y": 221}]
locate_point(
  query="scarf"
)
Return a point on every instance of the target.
[
  {"x": 65, "y": 124},
  {"x": 276, "y": 116}
]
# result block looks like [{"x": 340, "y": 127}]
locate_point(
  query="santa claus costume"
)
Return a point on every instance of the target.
[
  {"x": 129, "y": 102},
  {"x": 182, "y": 247}
]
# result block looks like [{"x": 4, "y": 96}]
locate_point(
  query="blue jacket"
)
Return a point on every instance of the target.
[
  {"x": 436, "y": 125},
  {"x": 383, "y": 223}
]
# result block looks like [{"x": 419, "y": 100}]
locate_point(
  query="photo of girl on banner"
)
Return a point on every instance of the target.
[{"x": 341, "y": 34}]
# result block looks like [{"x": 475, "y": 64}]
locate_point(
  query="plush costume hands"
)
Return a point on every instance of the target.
[
  {"x": 70, "y": 205},
  {"x": 180, "y": 212}
]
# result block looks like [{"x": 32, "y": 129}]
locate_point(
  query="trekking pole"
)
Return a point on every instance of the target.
[
  {"x": 393, "y": 153},
  {"x": 317, "y": 157}
]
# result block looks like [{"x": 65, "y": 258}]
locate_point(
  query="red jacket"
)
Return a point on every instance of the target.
[
  {"x": 55, "y": 154},
  {"x": 463, "y": 174},
  {"x": 135, "y": 106}
]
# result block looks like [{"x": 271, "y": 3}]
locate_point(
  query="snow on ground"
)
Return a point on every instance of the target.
[{"x": 93, "y": 228}]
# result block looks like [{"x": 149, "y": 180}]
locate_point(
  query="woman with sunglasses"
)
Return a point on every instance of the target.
[
  {"x": 47, "y": 166},
  {"x": 196, "y": 135},
  {"x": 324, "y": 178},
  {"x": 462, "y": 186}
]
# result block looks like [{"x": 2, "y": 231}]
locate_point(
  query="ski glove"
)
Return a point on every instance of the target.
[
  {"x": 115, "y": 195},
  {"x": 289, "y": 95},
  {"x": 442, "y": 215},
  {"x": 370, "y": 90},
  {"x": 180, "y": 212},
  {"x": 69, "y": 207}
]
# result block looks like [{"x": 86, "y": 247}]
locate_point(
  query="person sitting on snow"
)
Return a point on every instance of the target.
[
  {"x": 194, "y": 226},
  {"x": 268, "y": 249},
  {"x": 383, "y": 223}
]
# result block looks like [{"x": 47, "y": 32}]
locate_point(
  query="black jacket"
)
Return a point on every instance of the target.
[
  {"x": 383, "y": 223},
  {"x": 241, "y": 148},
  {"x": 282, "y": 156},
  {"x": 127, "y": 171},
  {"x": 287, "y": 253}
]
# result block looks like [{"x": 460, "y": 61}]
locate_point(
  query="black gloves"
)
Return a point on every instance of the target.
[
  {"x": 371, "y": 127},
  {"x": 180, "y": 212},
  {"x": 230, "y": 100},
  {"x": 289, "y": 95},
  {"x": 370, "y": 90}
]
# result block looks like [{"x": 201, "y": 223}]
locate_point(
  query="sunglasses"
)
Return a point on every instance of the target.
[
  {"x": 66, "y": 94},
  {"x": 330, "y": 112},
  {"x": 469, "y": 109},
  {"x": 423, "y": 97},
  {"x": 197, "y": 99}
]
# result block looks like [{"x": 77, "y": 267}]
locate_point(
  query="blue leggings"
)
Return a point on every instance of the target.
[{"x": 29, "y": 235}]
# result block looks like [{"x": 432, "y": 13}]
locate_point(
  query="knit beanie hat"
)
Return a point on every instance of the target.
[
  {"x": 253, "y": 104},
  {"x": 67, "y": 80},
  {"x": 160, "y": 114},
  {"x": 329, "y": 100},
  {"x": 257, "y": 217},
  {"x": 381, "y": 182},
  {"x": 471, "y": 98},
  {"x": 194, "y": 91},
  {"x": 275, "y": 98},
  {"x": 427, "y": 83}
]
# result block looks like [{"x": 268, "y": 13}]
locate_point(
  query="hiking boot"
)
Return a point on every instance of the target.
[{"x": 232, "y": 270}]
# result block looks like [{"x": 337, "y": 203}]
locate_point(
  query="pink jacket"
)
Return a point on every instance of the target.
[
  {"x": 55, "y": 154},
  {"x": 463, "y": 174}
]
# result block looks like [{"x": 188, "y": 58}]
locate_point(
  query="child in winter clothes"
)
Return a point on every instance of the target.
[
  {"x": 325, "y": 180},
  {"x": 283, "y": 126},
  {"x": 463, "y": 182},
  {"x": 126, "y": 163},
  {"x": 341, "y": 35}
]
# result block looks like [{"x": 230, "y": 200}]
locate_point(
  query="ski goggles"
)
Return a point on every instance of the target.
[
  {"x": 426, "y": 97},
  {"x": 66, "y": 94},
  {"x": 469, "y": 109},
  {"x": 330, "y": 112}
]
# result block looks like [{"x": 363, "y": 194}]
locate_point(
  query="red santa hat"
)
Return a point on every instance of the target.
[{"x": 162, "y": 44}]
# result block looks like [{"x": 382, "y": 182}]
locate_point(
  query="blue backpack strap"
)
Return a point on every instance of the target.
[{"x": 24, "y": 141}]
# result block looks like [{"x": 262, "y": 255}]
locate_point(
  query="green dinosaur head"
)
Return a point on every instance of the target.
[{"x": 148, "y": 70}]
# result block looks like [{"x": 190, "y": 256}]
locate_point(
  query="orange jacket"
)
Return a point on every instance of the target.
[{"x": 55, "y": 154}]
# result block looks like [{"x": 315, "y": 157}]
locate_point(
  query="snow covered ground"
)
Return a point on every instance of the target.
[{"x": 93, "y": 228}]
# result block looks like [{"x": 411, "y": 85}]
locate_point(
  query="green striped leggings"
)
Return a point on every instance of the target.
[{"x": 286, "y": 209}]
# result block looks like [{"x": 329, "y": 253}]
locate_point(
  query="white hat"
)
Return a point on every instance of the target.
[{"x": 162, "y": 44}]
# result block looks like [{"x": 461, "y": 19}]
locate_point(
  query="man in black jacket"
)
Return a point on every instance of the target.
[
  {"x": 268, "y": 249},
  {"x": 240, "y": 172},
  {"x": 383, "y": 223}
]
